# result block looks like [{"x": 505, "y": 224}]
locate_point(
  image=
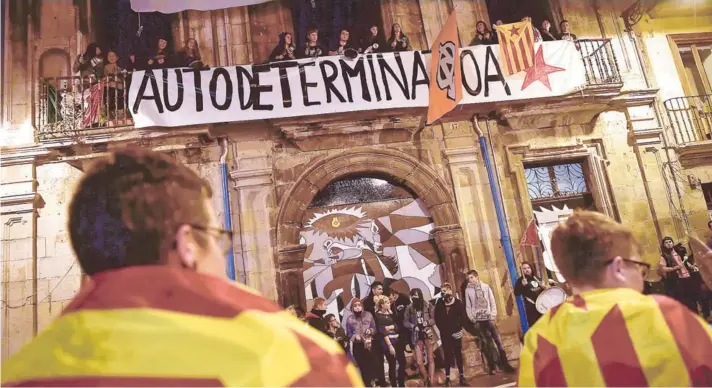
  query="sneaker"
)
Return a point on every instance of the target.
[
  {"x": 427, "y": 382},
  {"x": 491, "y": 372},
  {"x": 447, "y": 381}
]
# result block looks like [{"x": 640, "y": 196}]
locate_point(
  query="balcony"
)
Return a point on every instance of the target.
[
  {"x": 75, "y": 106},
  {"x": 691, "y": 120},
  {"x": 95, "y": 110}
]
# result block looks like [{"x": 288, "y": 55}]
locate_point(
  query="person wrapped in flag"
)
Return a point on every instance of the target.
[
  {"x": 157, "y": 309},
  {"x": 608, "y": 333}
]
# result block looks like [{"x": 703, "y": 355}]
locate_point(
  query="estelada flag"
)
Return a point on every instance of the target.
[
  {"x": 617, "y": 337},
  {"x": 516, "y": 46},
  {"x": 445, "y": 75},
  {"x": 530, "y": 237},
  {"x": 159, "y": 326}
]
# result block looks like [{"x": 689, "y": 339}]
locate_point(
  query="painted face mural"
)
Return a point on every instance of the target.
[{"x": 350, "y": 247}]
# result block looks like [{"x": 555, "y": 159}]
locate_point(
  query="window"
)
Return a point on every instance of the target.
[
  {"x": 558, "y": 185},
  {"x": 510, "y": 11},
  {"x": 707, "y": 192},
  {"x": 694, "y": 63}
]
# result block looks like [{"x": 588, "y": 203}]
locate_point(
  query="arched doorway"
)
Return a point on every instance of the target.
[
  {"x": 428, "y": 198},
  {"x": 362, "y": 229}
]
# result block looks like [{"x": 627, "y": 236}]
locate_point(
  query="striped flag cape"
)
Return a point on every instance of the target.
[
  {"x": 615, "y": 338},
  {"x": 161, "y": 326},
  {"x": 516, "y": 46}
]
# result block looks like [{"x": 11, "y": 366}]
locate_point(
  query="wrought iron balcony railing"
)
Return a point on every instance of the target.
[
  {"x": 690, "y": 117},
  {"x": 599, "y": 61},
  {"x": 80, "y": 105},
  {"x": 69, "y": 105}
]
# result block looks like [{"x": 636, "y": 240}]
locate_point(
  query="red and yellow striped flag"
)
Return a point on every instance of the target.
[
  {"x": 160, "y": 326},
  {"x": 516, "y": 46},
  {"x": 616, "y": 338}
]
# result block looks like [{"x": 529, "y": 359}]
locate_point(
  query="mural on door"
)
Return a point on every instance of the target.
[{"x": 349, "y": 247}]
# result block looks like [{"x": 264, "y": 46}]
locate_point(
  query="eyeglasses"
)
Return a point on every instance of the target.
[
  {"x": 644, "y": 267},
  {"x": 222, "y": 237}
]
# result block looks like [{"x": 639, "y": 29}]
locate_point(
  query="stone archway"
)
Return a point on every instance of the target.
[{"x": 399, "y": 167}]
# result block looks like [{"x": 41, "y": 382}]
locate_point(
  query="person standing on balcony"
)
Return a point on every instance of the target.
[
  {"x": 285, "y": 49},
  {"x": 162, "y": 57},
  {"x": 159, "y": 309},
  {"x": 374, "y": 41},
  {"x": 566, "y": 33},
  {"x": 342, "y": 44},
  {"x": 189, "y": 56},
  {"x": 537, "y": 33},
  {"x": 313, "y": 49},
  {"x": 398, "y": 41},
  {"x": 114, "y": 86},
  {"x": 90, "y": 64},
  {"x": 482, "y": 35},
  {"x": 546, "y": 33}
]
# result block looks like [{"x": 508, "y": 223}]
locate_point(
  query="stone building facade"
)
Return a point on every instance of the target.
[{"x": 619, "y": 139}]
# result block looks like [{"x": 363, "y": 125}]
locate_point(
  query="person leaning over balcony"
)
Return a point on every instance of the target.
[
  {"x": 159, "y": 310},
  {"x": 398, "y": 41},
  {"x": 608, "y": 333},
  {"x": 482, "y": 35},
  {"x": 546, "y": 33},
  {"x": 566, "y": 33},
  {"x": 285, "y": 49}
]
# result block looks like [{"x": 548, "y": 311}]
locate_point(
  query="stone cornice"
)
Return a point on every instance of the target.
[
  {"x": 28, "y": 154},
  {"x": 695, "y": 154}
]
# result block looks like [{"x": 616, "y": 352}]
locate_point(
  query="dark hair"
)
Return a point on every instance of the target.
[
  {"x": 562, "y": 22},
  {"x": 310, "y": 30},
  {"x": 376, "y": 284},
  {"x": 393, "y": 291},
  {"x": 472, "y": 272},
  {"x": 328, "y": 317},
  {"x": 128, "y": 207},
  {"x": 90, "y": 52}
]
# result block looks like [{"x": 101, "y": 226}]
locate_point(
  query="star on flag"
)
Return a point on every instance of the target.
[{"x": 540, "y": 71}]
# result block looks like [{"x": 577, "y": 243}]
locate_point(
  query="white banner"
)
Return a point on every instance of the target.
[
  {"x": 179, "y": 97},
  {"x": 173, "y": 6}
]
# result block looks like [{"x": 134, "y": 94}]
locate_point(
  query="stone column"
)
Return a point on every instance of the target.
[
  {"x": 255, "y": 204},
  {"x": 451, "y": 246},
  {"x": 289, "y": 277},
  {"x": 19, "y": 253}
]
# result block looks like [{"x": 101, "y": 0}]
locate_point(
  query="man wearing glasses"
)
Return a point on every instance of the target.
[
  {"x": 608, "y": 333},
  {"x": 158, "y": 309}
]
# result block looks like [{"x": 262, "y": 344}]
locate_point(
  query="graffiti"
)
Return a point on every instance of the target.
[{"x": 350, "y": 247}]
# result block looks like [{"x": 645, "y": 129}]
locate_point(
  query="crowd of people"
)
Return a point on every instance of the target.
[
  {"x": 373, "y": 41},
  {"x": 485, "y": 35},
  {"x": 158, "y": 310},
  {"x": 389, "y": 324}
]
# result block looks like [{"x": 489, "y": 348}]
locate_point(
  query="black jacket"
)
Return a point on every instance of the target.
[
  {"x": 450, "y": 320},
  {"x": 398, "y": 309},
  {"x": 369, "y": 304},
  {"x": 315, "y": 318}
]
